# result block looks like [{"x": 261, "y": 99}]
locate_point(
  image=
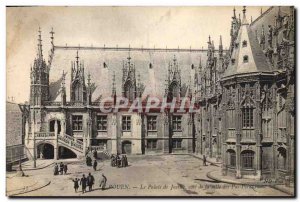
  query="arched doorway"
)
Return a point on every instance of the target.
[
  {"x": 65, "y": 153},
  {"x": 281, "y": 158},
  {"x": 45, "y": 151},
  {"x": 52, "y": 126},
  {"x": 126, "y": 147}
]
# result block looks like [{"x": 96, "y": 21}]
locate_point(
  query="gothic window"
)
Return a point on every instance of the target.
[
  {"x": 281, "y": 158},
  {"x": 175, "y": 90},
  {"x": 151, "y": 144},
  {"x": 176, "y": 143},
  {"x": 245, "y": 59},
  {"x": 244, "y": 43},
  {"x": 129, "y": 91},
  {"x": 231, "y": 158},
  {"x": 247, "y": 158},
  {"x": 126, "y": 123},
  {"x": 77, "y": 122},
  {"x": 102, "y": 122},
  {"x": 247, "y": 117},
  {"x": 267, "y": 123},
  {"x": 177, "y": 123},
  {"x": 151, "y": 123},
  {"x": 77, "y": 92}
]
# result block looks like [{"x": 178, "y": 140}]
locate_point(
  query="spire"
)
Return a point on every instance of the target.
[
  {"x": 77, "y": 58},
  {"x": 234, "y": 15},
  {"x": 40, "y": 50},
  {"x": 220, "y": 46},
  {"x": 261, "y": 11},
  {"x": 89, "y": 79},
  {"x": 52, "y": 37},
  {"x": 114, "y": 84},
  {"x": 244, "y": 22}
]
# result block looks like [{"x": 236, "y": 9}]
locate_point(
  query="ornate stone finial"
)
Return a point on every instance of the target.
[
  {"x": 244, "y": 10},
  {"x": 234, "y": 16},
  {"x": 52, "y": 36},
  {"x": 40, "y": 50},
  {"x": 77, "y": 58},
  {"x": 114, "y": 84},
  {"x": 89, "y": 79}
]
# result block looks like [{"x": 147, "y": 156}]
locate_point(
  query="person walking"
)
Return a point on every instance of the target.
[
  {"x": 95, "y": 154},
  {"x": 83, "y": 183},
  {"x": 204, "y": 160},
  {"x": 95, "y": 165},
  {"x": 90, "y": 181},
  {"x": 65, "y": 168},
  {"x": 61, "y": 168},
  {"x": 76, "y": 185},
  {"x": 56, "y": 169},
  {"x": 103, "y": 182}
]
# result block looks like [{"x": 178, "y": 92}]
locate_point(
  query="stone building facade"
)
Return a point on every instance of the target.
[
  {"x": 247, "y": 116},
  {"x": 244, "y": 97}
]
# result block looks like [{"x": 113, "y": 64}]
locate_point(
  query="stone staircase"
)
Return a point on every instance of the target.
[{"x": 70, "y": 142}]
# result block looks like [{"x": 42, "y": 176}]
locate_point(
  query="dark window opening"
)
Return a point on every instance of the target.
[
  {"x": 151, "y": 144},
  {"x": 177, "y": 123},
  {"x": 245, "y": 59},
  {"x": 152, "y": 123},
  {"x": 247, "y": 117},
  {"x": 102, "y": 122},
  {"x": 126, "y": 123},
  {"x": 247, "y": 159},
  {"x": 177, "y": 143},
  {"x": 77, "y": 122}
]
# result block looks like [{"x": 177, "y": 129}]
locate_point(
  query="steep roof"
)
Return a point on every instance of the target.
[
  {"x": 247, "y": 56},
  {"x": 154, "y": 79}
]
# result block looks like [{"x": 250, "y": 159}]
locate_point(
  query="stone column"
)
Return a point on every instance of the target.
[
  {"x": 56, "y": 140},
  {"x": 114, "y": 144},
  {"x": 238, "y": 156}
]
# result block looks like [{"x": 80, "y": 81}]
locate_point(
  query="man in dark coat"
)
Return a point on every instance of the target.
[
  {"x": 56, "y": 169},
  {"x": 61, "y": 168},
  {"x": 95, "y": 153},
  {"x": 83, "y": 183},
  {"x": 95, "y": 165},
  {"x": 90, "y": 181},
  {"x": 65, "y": 169},
  {"x": 204, "y": 160}
]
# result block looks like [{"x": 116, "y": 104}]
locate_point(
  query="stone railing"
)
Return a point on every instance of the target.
[
  {"x": 42, "y": 134},
  {"x": 98, "y": 148},
  {"x": 50, "y": 103},
  {"x": 72, "y": 142},
  {"x": 76, "y": 104}
]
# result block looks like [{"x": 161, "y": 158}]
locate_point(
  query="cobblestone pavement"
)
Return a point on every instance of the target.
[{"x": 161, "y": 175}]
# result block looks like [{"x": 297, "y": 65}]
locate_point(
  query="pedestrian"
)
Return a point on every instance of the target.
[
  {"x": 76, "y": 185},
  {"x": 95, "y": 165},
  {"x": 204, "y": 160},
  {"x": 112, "y": 160},
  {"x": 123, "y": 161},
  {"x": 103, "y": 182},
  {"x": 95, "y": 153},
  {"x": 56, "y": 169},
  {"x": 83, "y": 183},
  {"x": 118, "y": 161},
  {"x": 61, "y": 168},
  {"x": 90, "y": 181},
  {"x": 126, "y": 161},
  {"x": 65, "y": 169}
]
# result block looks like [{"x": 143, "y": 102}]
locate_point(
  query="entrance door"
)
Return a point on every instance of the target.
[{"x": 126, "y": 147}]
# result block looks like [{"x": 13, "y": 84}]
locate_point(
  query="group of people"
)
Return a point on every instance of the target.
[
  {"x": 119, "y": 161},
  {"x": 89, "y": 182},
  {"x": 60, "y": 169}
]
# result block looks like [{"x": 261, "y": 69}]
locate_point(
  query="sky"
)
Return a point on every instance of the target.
[{"x": 159, "y": 27}]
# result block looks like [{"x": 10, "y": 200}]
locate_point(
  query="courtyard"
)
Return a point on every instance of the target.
[{"x": 159, "y": 175}]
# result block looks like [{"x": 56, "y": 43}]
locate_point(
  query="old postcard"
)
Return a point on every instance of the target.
[{"x": 150, "y": 101}]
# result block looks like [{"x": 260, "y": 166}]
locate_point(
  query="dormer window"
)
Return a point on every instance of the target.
[
  {"x": 232, "y": 61},
  {"x": 244, "y": 43},
  {"x": 245, "y": 59}
]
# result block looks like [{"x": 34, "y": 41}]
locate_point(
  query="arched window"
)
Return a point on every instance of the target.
[
  {"x": 281, "y": 158},
  {"x": 231, "y": 156},
  {"x": 129, "y": 91},
  {"x": 247, "y": 158},
  {"x": 245, "y": 59},
  {"x": 77, "y": 92}
]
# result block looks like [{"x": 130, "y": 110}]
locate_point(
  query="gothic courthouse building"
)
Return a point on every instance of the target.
[{"x": 245, "y": 97}]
